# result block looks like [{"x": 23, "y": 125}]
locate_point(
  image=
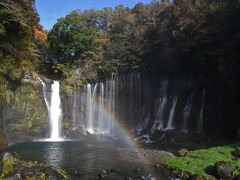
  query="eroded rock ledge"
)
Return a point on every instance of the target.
[{"x": 14, "y": 168}]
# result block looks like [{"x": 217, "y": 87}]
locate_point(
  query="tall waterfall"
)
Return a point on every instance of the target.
[
  {"x": 89, "y": 107},
  {"x": 54, "y": 110}
]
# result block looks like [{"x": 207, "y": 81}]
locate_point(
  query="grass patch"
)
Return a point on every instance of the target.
[{"x": 199, "y": 161}]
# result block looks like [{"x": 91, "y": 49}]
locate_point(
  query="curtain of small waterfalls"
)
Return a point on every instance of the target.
[
  {"x": 133, "y": 100},
  {"x": 94, "y": 107}
]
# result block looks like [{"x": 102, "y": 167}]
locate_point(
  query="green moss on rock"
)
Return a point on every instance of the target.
[{"x": 201, "y": 162}]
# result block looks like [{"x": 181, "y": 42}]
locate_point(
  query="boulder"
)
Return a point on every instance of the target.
[
  {"x": 28, "y": 172},
  {"x": 224, "y": 169},
  {"x": 8, "y": 157}
]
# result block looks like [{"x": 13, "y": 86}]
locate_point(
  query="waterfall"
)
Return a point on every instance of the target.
[
  {"x": 96, "y": 107},
  {"x": 44, "y": 93},
  {"x": 75, "y": 110},
  {"x": 159, "y": 122},
  {"x": 160, "y": 114},
  {"x": 171, "y": 116},
  {"x": 89, "y": 108},
  {"x": 200, "y": 121},
  {"x": 100, "y": 112},
  {"x": 92, "y": 108},
  {"x": 54, "y": 110},
  {"x": 112, "y": 102},
  {"x": 186, "y": 114},
  {"x": 106, "y": 102}
]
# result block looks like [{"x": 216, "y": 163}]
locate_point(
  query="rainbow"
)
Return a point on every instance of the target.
[{"x": 125, "y": 134}]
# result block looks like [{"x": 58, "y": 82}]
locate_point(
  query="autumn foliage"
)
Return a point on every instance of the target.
[{"x": 40, "y": 35}]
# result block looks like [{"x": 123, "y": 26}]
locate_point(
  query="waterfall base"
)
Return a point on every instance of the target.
[
  {"x": 90, "y": 131},
  {"x": 52, "y": 140}
]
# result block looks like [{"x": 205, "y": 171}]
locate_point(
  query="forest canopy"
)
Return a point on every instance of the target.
[
  {"x": 195, "y": 36},
  {"x": 162, "y": 37}
]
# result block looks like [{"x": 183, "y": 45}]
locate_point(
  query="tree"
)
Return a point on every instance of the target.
[
  {"x": 17, "y": 19},
  {"x": 70, "y": 38}
]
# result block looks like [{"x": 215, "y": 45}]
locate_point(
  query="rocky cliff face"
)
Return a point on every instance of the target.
[{"x": 23, "y": 114}]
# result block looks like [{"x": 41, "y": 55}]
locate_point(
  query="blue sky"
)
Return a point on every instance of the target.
[{"x": 51, "y": 10}]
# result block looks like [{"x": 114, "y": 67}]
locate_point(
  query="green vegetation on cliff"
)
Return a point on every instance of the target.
[
  {"x": 22, "y": 43},
  {"x": 30, "y": 116}
]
